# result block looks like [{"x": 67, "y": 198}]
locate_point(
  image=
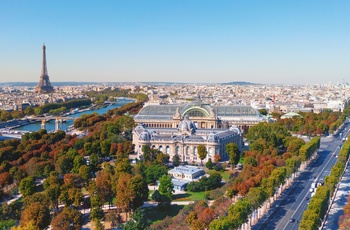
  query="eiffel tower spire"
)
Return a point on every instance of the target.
[{"x": 44, "y": 85}]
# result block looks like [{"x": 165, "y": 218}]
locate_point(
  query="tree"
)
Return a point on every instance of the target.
[
  {"x": 123, "y": 166},
  {"x": 114, "y": 217},
  {"x": 146, "y": 150},
  {"x": 27, "y": 186},
  {"x": 140, "y": 189},
  {"x": 263, "y": 111},
  {"x": 77, "y": 163},
  {"x": 209, "y": 164},
  {"x": 96, "y": 213},
  {"x": 166, "y": 186},
  {"x": 94, "y": 160},
  {"x": 125, "y": 194},
  {"x": 164, "y": 193},
  {"x": 176, "y": 160},
  {"x": 217, "y": 158},
  {"x": 202, "y": 152},
  {"x": 138, "y": 221},
  {"x": 36, "y": 197},
  {"x": 162, "y": 158},
  {"x": 67, "y": 219},
  {"x": 104, "y": 185},
  {"x": 154, "y": 172},
  {"x": 38, "y": 213},
  {"x": 53, "y": 193},
  {"x": 233, "y": 153}
]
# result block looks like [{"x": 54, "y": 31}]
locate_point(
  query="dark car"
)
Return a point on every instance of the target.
[{"x": 292, "y": 220}]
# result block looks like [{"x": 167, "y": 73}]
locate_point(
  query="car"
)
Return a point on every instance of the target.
[
  {"x": 311, "y": 190},
  {"x": 306, "y": 198},
  {"x": 292, "y": 220}
]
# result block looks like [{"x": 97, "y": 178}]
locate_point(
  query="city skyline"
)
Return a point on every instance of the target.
[{"x": 191, "y": 42}]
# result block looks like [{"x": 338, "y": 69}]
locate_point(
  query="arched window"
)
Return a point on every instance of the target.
[
  {"x": 187, "y": 150},
  {"x": 167, "y": 150},
  {"x": 177, "y": 150},
  {"x": 195, "y": 151},
  {"x": 210, "y": 152},
  {"x": 196, "y": 113},
  {"x": 161, "y": 148}
]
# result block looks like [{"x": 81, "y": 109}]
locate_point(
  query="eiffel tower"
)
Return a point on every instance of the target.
[{"x": 44, "y": 85}]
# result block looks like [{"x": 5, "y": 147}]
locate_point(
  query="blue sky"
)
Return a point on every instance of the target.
[{"x": 293, "y": 42}]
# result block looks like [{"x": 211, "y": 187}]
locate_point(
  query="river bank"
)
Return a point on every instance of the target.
[{"x": 50, "y": 125}]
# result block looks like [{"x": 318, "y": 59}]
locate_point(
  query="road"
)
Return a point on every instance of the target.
[{"x": 292, "y": 202}]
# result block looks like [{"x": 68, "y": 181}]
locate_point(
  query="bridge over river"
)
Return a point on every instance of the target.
[{"x": 49, "y": 118}]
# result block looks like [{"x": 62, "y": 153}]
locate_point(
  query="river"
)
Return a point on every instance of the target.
[{"x": 50, "y": 126}]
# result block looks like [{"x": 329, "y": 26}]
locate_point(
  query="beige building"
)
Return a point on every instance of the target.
[
  {"x": 179, "y": 129},
  {"x": 203, "y": 115}
]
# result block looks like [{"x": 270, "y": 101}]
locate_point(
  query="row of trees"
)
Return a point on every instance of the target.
[
  {"x": 52, "y": 108},
  {"x": 319, "y": 203},
  {"x": 273, "y": 157},
  {"x": 109, "y": 94},
  {"x": 311, "y": 123},
  {"x": 68, "y": 105},
  {"x": 344, "y": 220}
]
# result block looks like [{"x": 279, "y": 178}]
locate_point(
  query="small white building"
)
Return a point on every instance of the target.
[{"x": 186, "y": 172}]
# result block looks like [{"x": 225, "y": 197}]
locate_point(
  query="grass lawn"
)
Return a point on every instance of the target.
[
  {"x": 156, "y": 215},
  {"x": 189, "y": 196},
  {"x": 224, "y": 174}
]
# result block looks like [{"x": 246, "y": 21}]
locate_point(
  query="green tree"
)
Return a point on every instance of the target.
[
  {"x": 96, "y": 213},
  {"x": 94, "y": 160},
  {"x": 209, "y": 164},
  {"x": 233, "y": 153},
  {"x": 146, "y": 153},
  {"x": 154, "y": 172},
  {"x": 139, "y": 186},
  {"x": 176, "y": 160},
  {"x": 166, "y": 186},
  {"x": 27, "y": 186},
  {"x": 202, "y": 152},
  {"x": 77, "y": 163},
  {"x": 138, "y": 220}
]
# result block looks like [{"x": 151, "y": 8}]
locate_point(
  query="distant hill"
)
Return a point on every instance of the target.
[{"x": 240, "y": 83}]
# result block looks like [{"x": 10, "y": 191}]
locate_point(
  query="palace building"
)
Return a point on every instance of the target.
[
  {"x": 180, "y": 128},
  {"x": 203, "y": 115}
]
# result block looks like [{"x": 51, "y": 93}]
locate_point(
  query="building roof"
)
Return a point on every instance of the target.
[
  {"x": 290, "y": 115},
  {"x": 179, "y": 183},
  {"x": 167, "y": 112},
  {"x": 186, "y": 169}
]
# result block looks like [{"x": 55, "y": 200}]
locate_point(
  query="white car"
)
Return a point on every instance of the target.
[{"x": 311, "y": 190}]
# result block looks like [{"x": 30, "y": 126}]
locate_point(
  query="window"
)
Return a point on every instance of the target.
[
  {"x": 167, "y": 150},
  {"x": 210, "y": 151},
  {"x": 177, "y": 150},
  {"x": 161, "y": 148},
  {"x": 196, "y": 113},
  {"x": 195, "y": 151},
  {"x": 187, "y": 150}
]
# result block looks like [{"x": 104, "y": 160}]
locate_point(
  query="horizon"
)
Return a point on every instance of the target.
[{"x": 292, "y": 43}]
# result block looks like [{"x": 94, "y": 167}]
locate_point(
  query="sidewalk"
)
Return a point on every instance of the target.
[{"x": 339, "y": 202}]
